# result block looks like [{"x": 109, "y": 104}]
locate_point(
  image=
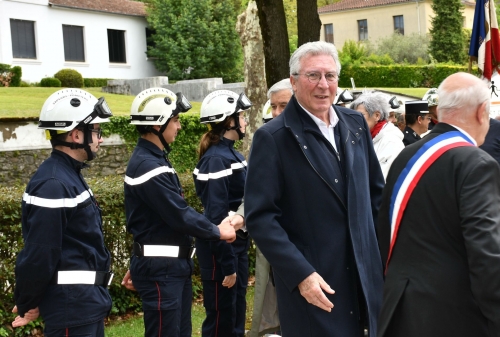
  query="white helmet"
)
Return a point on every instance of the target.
[
  {"x": 220, "y": 104},
  {"x": 431, "y": 96},
  {"x": 267, "y": 112},
  {"x": 67, "y": 108},
  {"x": 153, "y": 106}
]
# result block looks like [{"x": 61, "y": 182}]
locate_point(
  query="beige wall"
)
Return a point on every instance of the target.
[{"x": 416, "y": 15}]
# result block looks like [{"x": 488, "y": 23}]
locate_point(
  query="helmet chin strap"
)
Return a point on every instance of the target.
[
  {"x": 237, "y": 126},
  {"x": 160, "y": 136},
  {"x": 87, "y": 139}
]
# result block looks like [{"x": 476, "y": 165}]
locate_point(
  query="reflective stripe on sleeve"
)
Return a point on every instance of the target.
[
  {"x": 146, "y": 176},
  {"x": 56, "y": 203},
  {"x": 220, "y": 174}
]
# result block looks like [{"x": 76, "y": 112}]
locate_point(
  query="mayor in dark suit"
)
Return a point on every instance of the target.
[
  {"x": 312, "y": 193},
  {"x": 443, "y": 257}
]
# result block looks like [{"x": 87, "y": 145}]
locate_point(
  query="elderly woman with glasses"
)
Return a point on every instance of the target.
[{"x": 387, "y": 138}]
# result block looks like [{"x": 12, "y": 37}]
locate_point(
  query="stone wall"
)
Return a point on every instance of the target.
[
  {"x": 19, "y": 166},
  {"x": 194, "y": 90}
]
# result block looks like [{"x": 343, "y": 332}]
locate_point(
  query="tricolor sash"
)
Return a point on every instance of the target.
[{"x": 413, "y": 171}]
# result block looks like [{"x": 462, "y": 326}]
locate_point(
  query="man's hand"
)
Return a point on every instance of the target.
[
  {"x": 29, "y": 316},
  {"x": 227, "y": 232},
  {"x": 127, "y": 281},
  {"x": 312, "y": 289},
  {"x": 229, "y": 280},
  {"x": 237, "y": 221}
]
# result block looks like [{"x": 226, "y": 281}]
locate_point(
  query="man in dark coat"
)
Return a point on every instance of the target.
[
  {"x": 443, "y": 257},
  {"x": 312, "y": 193},
  {"x": 417, "y": 121},
  {"x": 492, "y": 140}
]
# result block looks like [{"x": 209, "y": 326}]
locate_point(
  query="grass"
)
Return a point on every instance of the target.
[
  {"x": 28, "y": 101},
  {"x": 134, "y": 326}
]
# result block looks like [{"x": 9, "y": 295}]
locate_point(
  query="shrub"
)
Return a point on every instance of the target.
[
  {"x": 95, "y": 82},
  {"x": 17, "y": 73},
  {"x": 69, "y": 78},
  {"x": 24, "y": 84},
  {"x": 50, "y": 82}
]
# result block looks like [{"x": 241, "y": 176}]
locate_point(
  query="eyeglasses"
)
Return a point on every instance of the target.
[
  {"x": 315, "y": 77},
  {"x": 98, "y": 131},
  {"x": 245, "y": 118}
]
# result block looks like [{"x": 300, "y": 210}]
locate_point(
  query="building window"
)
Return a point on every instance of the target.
[
  {"x": 329, "y": 33},
  {"x": 363, "y": 30},
  {"x": 116, "y": 46},
  {"x": 73, "y": 43},
  {"x": 23, "y": 39},
  {"x": 399, "y": 24}
]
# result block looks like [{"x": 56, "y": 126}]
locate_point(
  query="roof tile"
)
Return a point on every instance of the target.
[{"x": 126, "y": 7}]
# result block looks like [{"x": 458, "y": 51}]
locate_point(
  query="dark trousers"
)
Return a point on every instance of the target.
[
  {"x": 167, "y": 306},
  {"x": 226, "y": 307},
  {"x": 89, "y": 330}
]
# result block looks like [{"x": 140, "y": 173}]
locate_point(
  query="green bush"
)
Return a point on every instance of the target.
[
  {"x": 25, "y": 84},
  {"x": 95, "y": 82},
  {"x": 17, "y": 73},
  {"x": 398, "y": 76},
  {"x": 50, "y": 82},
  {"x": 4, "y": 68},
  {"x": 69, "y": 78}
]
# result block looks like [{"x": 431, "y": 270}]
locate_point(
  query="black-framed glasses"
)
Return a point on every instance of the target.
[
  {"x": 315, "y": 77},
  {"x": 98, "y": 131}
]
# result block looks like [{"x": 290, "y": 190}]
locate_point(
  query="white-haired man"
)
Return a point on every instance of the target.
[
  {"x": 439, "y": 226},
  {"x": 312, "y": 192}
]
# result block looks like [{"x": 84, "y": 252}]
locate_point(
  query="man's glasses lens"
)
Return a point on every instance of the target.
[
  {"x": 99, "y": 132},
  {"x": 316, "y": 77}
]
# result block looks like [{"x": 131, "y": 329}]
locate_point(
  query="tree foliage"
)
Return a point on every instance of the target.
[
  {"x": 195, "y": 39},
  {"x": 404, "y": 48},
  {"x": 447, "y": 39}
]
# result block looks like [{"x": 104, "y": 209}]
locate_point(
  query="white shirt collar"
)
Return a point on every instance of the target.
[
  {"x": 465, "y": 133},
  {"x": 334, "y": 119}
]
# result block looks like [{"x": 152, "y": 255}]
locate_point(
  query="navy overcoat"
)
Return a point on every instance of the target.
[{"x": 307, "y": 214}]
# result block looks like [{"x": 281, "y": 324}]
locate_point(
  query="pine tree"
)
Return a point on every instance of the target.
[
  {"x": 195, "y": 39},
  {"x": 447, "y": 39}
]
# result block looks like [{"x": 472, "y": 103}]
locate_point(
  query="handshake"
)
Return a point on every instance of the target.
[{"x": 230, "y": 225}]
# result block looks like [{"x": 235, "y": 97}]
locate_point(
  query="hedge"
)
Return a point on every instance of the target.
[
  {"x": 95, "y": 82},
  {"x": 398, "y": 76},
  {"x": 10, "y": 76},
  {"x": 50, "y": 82}
]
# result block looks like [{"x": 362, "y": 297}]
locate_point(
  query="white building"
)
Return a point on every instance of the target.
[{"x": 99, "y": 39}]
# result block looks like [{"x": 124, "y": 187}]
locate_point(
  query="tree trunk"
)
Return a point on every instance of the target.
[
  {"x": 255, "y": 74},
  {"x": 275, "y": 36},
  {"x": 308, "y": 22}
]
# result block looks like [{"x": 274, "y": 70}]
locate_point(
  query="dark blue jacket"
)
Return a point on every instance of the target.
[
  {"x": 157, "y": 213},
  {"x": 305, "y": 216},
  {"x": 492, "y": 142},
  {"x": 219, "y": 179},
  {"x": 62, "y": 230}
]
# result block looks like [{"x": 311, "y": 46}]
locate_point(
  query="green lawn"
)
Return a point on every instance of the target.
[
  {"x": 134, "y": 327},
  {"x": 27, "y": 102}
]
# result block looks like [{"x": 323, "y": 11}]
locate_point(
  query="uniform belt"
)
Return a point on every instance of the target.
[
  {"x": 98, "y": 278},
  {"x": 181, "y": 252}
]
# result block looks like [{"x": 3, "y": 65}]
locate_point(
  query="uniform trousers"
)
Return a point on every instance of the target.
[
  {"x": 167, "y": 306},
  {"x": 95, "y": 329},
  {"x": 226, "y": 307}
]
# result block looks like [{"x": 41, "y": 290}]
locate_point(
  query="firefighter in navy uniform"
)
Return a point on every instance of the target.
[
  {"x": 63, "y": 270},
  {"x": 160, "y": 220},
  {"x": 219, "y": 179},
  {"x": 417, "y": 121}
]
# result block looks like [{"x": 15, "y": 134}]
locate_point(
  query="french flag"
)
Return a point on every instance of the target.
[{"x": 485, "y": 39}]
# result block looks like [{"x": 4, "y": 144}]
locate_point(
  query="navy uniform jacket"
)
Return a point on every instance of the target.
[
  {"x": 219, "y": 179},
  {"x": 157, "y": 214},
  {"x": 410, "y": 136},
  {"x": 62, "y": 230},
  {"x": 305, "y": 216},
  {"x": 444, "y": 274},
  {"x": 492, "y": 141}
]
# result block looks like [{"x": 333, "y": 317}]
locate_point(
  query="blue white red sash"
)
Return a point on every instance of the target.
[{"x": 413, "y": 171}]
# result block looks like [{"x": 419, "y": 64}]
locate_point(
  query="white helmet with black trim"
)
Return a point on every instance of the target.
[
  {"x": 431, "y": 96},
  {"x": 72, "y": 108},
  {"x": 267, "y": 112},
  {"x": 220, "y": 104},
  {"x": 67, "y": 108},
  {"x": 156, "y": 106}
]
